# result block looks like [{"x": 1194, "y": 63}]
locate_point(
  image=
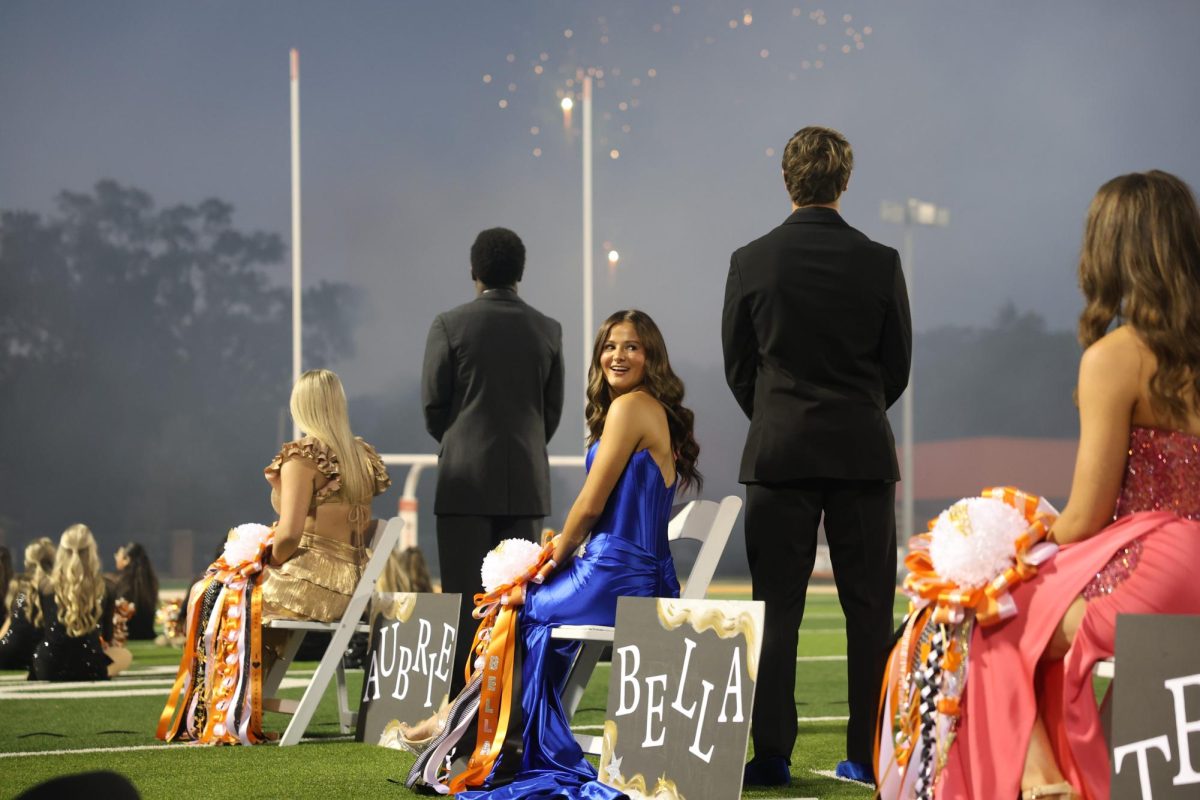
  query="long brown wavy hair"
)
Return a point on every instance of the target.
[
  {"x": 1140, "y": 264},
  {"x": 660, "y": 382},
  {"x": 137, "y": 582}
]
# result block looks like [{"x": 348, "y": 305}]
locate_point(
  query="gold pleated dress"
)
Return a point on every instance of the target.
[{"x": 317, "y": 581}]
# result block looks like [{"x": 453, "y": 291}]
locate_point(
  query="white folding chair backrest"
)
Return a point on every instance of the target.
[
  {"x": 387, "y": 536},
  {"x": 709, "y": 523}
]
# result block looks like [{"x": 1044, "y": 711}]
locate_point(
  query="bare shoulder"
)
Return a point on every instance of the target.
[
  {"x": 1120, "y": 351},
  {"x": 1116, "y": 363},
  {"x": 638, "y": 404},
  {"x": 637, "y": 410}
]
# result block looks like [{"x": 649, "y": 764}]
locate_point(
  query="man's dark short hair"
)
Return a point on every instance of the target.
[
  {"x": 816, "y": 166},
  {"x": 497, "y": 257}
]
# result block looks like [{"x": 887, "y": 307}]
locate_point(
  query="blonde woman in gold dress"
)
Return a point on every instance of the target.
[{"x": 321, "y": 488}]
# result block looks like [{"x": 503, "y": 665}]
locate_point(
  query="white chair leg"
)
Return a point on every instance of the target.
[
  {"x": 280, "y": 667},
  {"x": 327, "y": 668},
  {"x": 312, "y": 697},
  {"x": 346, "y": 717},
  {"x": 581, "y": 671}
]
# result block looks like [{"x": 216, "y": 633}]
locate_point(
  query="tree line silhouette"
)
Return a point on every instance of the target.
[{"x": 145, "y": 370}]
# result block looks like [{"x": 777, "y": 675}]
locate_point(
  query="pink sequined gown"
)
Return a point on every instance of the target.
[{"x": 1143, "y": 563}]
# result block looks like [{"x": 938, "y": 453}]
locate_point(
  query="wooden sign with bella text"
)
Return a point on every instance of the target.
[
  {"x": 409, "y": 662},
  {"x": 1156, "y": 707},
  {"x": 680, "y": 695}
]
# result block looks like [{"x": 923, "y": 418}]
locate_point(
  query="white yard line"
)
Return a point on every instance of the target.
[
  {"x": 10, "y": 689},
  {"x": 161, "y": 669},
  {"x": 180, "y": 746},
  {"x": 828, "y": 773},
  {"x": 160, "y": 691},
  {"x": 39, "y": 686},
  {"x": 136, "y": 672},
  {"x": 56, "y": 692}
]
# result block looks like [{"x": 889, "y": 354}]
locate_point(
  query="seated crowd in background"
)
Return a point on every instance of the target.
[
  {"x": 23, "y": 626},
  {"x": 6, "y": 575},
  {"x": 61, "y": 627}
]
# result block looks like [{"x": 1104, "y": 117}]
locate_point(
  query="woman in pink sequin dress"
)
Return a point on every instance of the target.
[{"x": 1130, "y": 533}]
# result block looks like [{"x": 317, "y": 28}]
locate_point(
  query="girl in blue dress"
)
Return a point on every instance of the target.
[{"x": 641, "y": 448}]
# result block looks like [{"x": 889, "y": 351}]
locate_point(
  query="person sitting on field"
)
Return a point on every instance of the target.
[{"x": 78, "y": 609}]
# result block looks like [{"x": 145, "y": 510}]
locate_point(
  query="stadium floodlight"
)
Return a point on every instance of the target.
[{"x": 910, "y": 213}]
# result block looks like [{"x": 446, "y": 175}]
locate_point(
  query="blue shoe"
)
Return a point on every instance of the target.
[
  {"x": 854, "y": 771},
  {"x": 767, "y": 771}
]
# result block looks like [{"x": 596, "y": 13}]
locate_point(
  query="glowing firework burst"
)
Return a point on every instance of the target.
[{"x": 541, "y": 78}]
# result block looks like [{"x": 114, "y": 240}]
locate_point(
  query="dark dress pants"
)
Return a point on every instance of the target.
[
  {"x": 463, "y": 541},
  {"x": 781, "y": 544}
]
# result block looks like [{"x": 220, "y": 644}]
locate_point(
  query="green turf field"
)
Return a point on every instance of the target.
[{"x": 117, "y": 721}]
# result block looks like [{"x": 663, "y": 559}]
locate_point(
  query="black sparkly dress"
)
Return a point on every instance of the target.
[
  {"x": 62, "y": 657},
  {"x": 141, "y": 624},
  {"x": 16, "y": 646}
]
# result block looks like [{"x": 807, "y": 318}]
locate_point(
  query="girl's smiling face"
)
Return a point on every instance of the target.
[{"x": 623, "y": 359}]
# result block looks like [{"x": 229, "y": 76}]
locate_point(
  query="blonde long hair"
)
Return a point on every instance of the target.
[
  {"x": 318, "y": 406},
  {"x": 39, "y": 560},
  {"x": 78, "y": 584}
]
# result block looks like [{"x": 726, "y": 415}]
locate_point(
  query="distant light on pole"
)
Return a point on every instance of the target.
[
  {"x": 567, "y": 104},
  {"x": 613, "y": 257},
  {"x": 909, "y": 213}
]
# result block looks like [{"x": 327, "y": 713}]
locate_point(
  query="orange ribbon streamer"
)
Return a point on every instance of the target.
[
  {"x": 167, "y": 731},
  {"x": 496, "y": 640},
  {"x": 232, "y": 667}
]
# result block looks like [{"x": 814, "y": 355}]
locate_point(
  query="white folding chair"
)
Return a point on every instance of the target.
[
  {"x": 387, "y": 535},
  {"x": 705, "y": 521}
]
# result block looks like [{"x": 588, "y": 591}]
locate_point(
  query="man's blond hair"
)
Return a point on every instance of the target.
[{"x": 816, "y": 166}]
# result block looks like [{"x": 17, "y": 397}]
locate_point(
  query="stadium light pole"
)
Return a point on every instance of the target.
[
  {"x": 297, "y": 318},
  {"x": 910, "y": 214},
  {"x": 587, "y": 238}
]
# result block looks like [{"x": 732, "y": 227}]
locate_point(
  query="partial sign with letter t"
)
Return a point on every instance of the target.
[{"x": 1156, "y": 707}]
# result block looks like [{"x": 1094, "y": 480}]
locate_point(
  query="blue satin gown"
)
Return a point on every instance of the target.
[{"x": 627, "y": 556}]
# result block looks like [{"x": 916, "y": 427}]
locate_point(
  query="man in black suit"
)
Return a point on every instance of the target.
[
  {"x": 817, "y": 341},
  {"x": 492, "y": 390}
]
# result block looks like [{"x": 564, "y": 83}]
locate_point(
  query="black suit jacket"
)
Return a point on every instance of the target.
[
  {"x": 817, "y": 341},
  {"x": 492, "y": 390}
]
